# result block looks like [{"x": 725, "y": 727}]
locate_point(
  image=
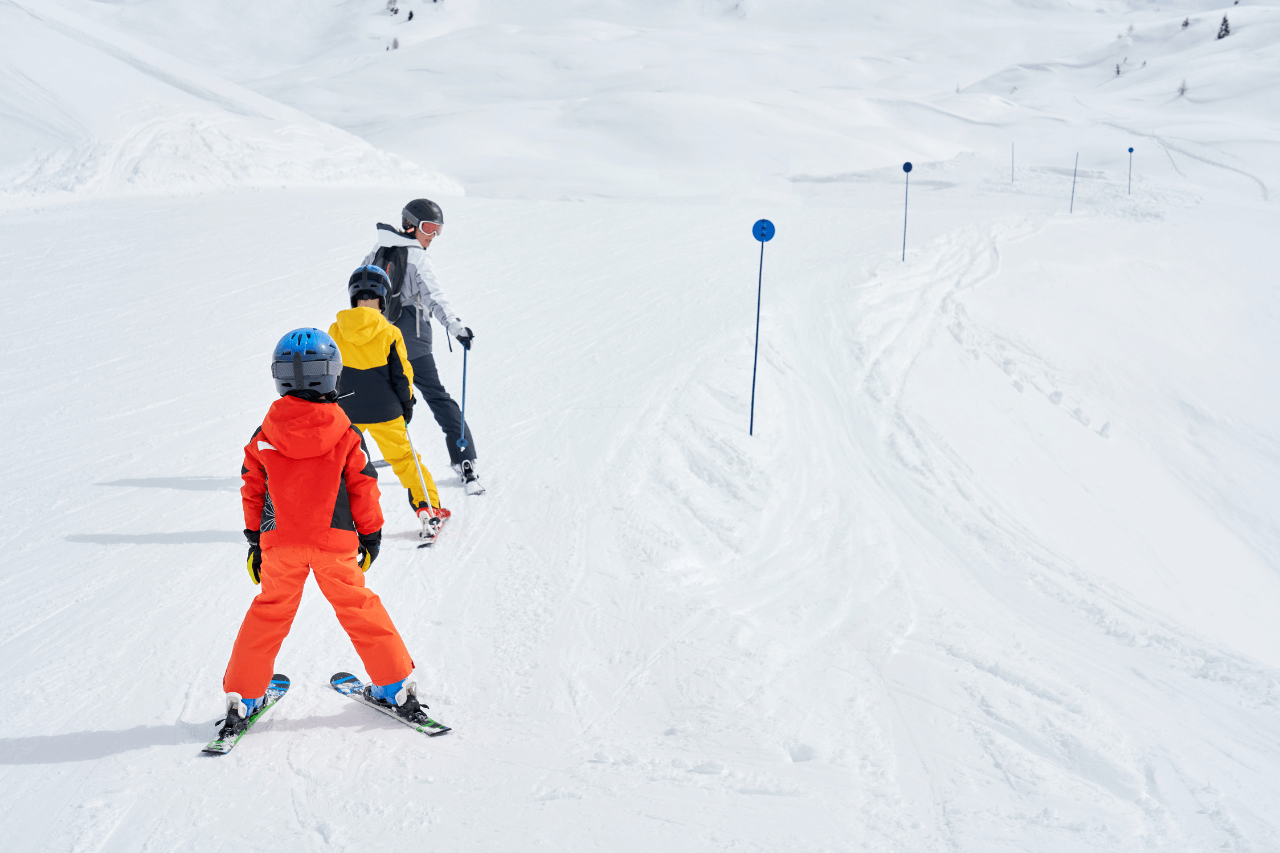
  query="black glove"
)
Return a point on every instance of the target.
[
  {"x": 254, "y": 561},
  {"x": 369, "y": 545},
  {"x": 465, "y": 337},
  {"x": 408, "y": 409}
]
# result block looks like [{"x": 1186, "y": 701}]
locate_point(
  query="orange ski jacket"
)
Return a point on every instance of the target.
[{"x": 308, "y": 479}]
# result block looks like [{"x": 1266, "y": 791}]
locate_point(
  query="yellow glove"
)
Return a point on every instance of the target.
[
  {"x": 368, "y": 552},
  {"x": 254, "y": 564}
]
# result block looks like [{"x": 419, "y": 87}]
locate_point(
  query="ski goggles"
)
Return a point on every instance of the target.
[
  {"x": 289, "y": 369},
  {"x": 431, "y": 229}
]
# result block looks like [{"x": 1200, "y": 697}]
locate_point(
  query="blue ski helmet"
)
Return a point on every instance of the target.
[
  {"x": 306, "y": 360},
  {"x": 369, "y": 279}
]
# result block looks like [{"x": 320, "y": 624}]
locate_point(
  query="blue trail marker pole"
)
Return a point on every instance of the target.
[
  {"x": 762, "y": 231},
  {"x": 1073, "y": 183},
  {"x": 906, "y": 167},
  {"x": 462, "y": 436},
  {"x": 1130, "y": 171}
]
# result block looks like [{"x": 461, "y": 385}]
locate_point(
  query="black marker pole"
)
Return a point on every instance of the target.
[
  {"x": 1073, "y": 183},
  {"x": 906, "y": 197}
]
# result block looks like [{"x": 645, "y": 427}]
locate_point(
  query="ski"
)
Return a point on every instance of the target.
[
  {"x": 279, "y": 686},
  {"x": 348, "y": 685}
]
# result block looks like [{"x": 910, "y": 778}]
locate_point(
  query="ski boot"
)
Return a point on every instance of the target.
[
  {"x": 401, "y": 698},
  {"x": 238, "y": 713},
  {"x": 466, "y": 470},
  {"x": 432, "y": 518}
]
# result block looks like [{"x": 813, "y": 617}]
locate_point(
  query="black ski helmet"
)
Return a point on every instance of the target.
[
  {"x": 421, "y": 210},
  {"x": 369, "y": 280},
  {"x": 306, "y": 360}
]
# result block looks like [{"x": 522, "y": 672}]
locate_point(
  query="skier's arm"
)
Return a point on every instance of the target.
[
  {"x": 423, "y": 277},
  {"x": 400, "y": 369},
  {"x": 254, "y": 491},
  {"x": 362, "y": 488}
]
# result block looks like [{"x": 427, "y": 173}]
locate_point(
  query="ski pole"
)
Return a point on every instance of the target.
[
  {"x": 462, "y": 436},
  {"x": 417, "y": 464}
]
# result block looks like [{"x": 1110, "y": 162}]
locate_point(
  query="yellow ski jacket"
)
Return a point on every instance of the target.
[{"x": 376, "y": 383}]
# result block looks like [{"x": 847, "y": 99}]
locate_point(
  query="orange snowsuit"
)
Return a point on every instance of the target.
[{"x": 309, "y": 487}]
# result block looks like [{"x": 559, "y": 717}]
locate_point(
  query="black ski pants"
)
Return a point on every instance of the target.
[{"x": 445, "y": 410}]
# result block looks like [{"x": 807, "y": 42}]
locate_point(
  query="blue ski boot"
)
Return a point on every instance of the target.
[{"x": 401, "y": 698}]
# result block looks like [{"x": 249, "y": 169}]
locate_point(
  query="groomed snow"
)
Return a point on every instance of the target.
[{"x": 997, "y": 572}]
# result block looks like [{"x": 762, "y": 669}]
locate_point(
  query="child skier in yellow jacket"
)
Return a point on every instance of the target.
[{"x": 376, "y": 385}]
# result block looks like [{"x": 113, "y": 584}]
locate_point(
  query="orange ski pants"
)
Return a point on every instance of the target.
[{"x": 359, "y": 610}]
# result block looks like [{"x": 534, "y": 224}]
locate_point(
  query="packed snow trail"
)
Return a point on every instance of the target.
[{"x": 652, "y": 621}]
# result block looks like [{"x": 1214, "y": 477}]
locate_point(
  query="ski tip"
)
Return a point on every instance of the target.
[
  {"x": 342, "y": 677},
  {"x": 439, "y": 732},
  {"x": 279, "y": 680}
]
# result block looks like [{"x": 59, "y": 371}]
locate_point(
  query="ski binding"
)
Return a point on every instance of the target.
[
  {"x": 348, "y": 685},
  {"x": 226, "y": 742}
]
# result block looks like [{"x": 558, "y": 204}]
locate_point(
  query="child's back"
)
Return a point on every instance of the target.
[
  {"x": 310, "y": 499},
  {"x": 376, "y": 387}
]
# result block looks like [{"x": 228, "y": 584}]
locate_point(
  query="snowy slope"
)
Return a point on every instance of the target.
[
  {"x": 997, "y": 571},
  {"x": 88, "y": 111}
]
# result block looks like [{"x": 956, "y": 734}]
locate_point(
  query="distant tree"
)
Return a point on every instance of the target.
[
  {"x": 1117, "y": 69},
  {"x": 410, "y": 18},
  {"x": 1186, "y": 22},
  {"x": 392, "y": 7},
  {"x": 395, "y": 44},
  {"x": 1182, "y": 90},
  {"x": 1131, "y": 29},
  {"x": 1225, "y": 29}
]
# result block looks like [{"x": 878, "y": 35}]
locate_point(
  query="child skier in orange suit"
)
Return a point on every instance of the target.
[{"x": 311, "y": 504}]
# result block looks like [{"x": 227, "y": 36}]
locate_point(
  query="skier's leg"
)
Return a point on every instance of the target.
[
  {"x": 443, "y": 407},
  {"x": 362, "y": 616},
  {"x": 394, "y": 444},
  {"x": 253, "y": 657}
]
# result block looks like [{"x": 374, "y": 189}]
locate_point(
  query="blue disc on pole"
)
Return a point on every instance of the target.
[
  {"x": 762, "y": 230},
  {"x": 906, "y": 167},
  {"x": 1130, "y": 150}
]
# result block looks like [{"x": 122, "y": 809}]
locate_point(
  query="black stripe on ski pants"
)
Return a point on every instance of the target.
[{"x": 445, "y": 410}]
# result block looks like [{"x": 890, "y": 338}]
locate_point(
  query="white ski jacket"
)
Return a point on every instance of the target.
[{"x": 420, "y": 293}]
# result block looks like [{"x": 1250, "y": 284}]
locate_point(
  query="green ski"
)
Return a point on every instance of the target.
[{"x": 231, "y": 734}]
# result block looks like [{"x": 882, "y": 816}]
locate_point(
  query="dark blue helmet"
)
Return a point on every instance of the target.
[
  {"x": 368, "y": 280},
  {"x": 306, "y": 360}
]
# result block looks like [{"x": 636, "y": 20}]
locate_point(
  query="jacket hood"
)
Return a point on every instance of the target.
[
  {"x": 390, "y": 237},
  {"x": 360, "y": 325},
  {"x": 302, "y": 430}
]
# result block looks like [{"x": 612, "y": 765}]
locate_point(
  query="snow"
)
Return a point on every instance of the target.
[{"x": 997, "y": 572}]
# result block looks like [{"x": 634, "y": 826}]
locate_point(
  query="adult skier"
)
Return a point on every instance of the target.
[
  {"x": 376, "y": 387},
  {"x": 415, "y": 298},
  {"x": 310, "y": 500}
]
